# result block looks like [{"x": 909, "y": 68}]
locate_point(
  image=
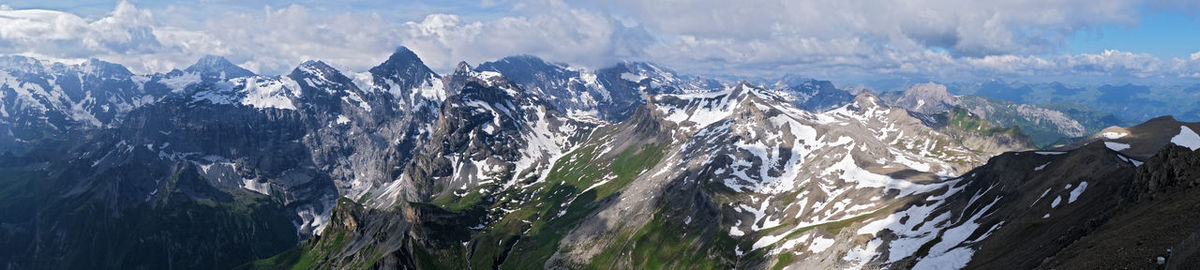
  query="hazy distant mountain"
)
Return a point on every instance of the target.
[
  {"x": 1127, "y": 103},
  {"x": 1046, "y": 125}
]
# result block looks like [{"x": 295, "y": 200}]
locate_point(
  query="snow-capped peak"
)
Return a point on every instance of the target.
[{"x": 217, "y": 67}]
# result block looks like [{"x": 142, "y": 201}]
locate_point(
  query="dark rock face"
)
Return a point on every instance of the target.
[
  {"x": 258, "y": 160},
  {"x": 1157, "y": 212},
  {"x": 142, "y": 196},
  {"x": 1046, "y": 209},
  {"x": 1174, "y": 168}
]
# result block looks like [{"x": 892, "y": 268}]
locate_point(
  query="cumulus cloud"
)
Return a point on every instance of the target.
[
  {"x": 43, "y": 32},
  {"x": 276, "y": 39},
  {"x": 841, "y": 40}
]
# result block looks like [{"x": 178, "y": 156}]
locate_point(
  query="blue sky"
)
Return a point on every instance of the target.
[
  {"x": 867, "y": 42},
  {"x": 1158, "y": 33}
]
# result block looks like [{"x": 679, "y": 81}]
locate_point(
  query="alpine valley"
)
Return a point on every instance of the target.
[{"x": 521, "y": 163}]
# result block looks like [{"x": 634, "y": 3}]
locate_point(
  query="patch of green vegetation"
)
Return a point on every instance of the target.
[
  {"x": 784, "y": 259},
  {"x": 455, "y": 203},
  {"x": 530, "y": 234},
  {"x": 964, "y": 120},
  {"x": 661, "y": 244},
  {"x": 629, "y": 165},
  {"x": 321, "y": 250},
  {"x": 286, "y": 260}
]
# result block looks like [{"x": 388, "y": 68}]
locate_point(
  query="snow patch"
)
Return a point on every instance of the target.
[
  {"x": 820, "y": 244},
  {"x": 1077, "y": 191},
  {"x": 253, "y": 185},
  {"x": 632, "y": 77},
  {"x": 1116, "y": 146},
  {"x": 1187, "y": 138},
  {"x": 1113, "y": 135}
]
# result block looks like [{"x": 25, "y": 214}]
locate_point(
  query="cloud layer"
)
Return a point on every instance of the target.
[{"x": 850, "y": 41}]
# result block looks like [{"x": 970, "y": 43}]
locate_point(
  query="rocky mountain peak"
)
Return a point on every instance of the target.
[
  {"x": 531, "y": 72},
  {"x": 213, "y": 67},
  {"x": 792, "y": 80},
  {"x": 866, "y": 100},
  {"x": 402, "y": 72},
  {"x": 403, "y": 57},
  {"x": 927, "y": 98},
  {"x": 318, "y": 77},
  {"x": 102, "y": 69},
  {"x": 524, "y": 60},
  {"x": 403, "y": 63},
  {"x": 462, "y": 68},
  {"x": 22, "y": 64},
  {"x": 317, "y": 69},
  {"x": 813, "y": 95}
]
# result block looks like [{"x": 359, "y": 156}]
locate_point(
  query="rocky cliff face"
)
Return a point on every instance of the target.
[
  {"x": 217, "y": 139},
  {"x": 1156, "y": 213}
]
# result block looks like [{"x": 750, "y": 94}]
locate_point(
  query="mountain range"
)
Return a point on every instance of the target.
[{"x": 523, "y": 163}]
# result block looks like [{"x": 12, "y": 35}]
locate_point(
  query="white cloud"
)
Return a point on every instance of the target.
[
  {"x": 573, "y": 36},
  {"x": 277, "y": 39},
  {"x": 841, "y": 40}
]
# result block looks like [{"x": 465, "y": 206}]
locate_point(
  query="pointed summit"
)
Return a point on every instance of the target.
[
  {"x": 313, "y": 65},
  {"x": 403, "y": 70},
  {"x": 866, "y": 99},
  {"x": 462, "y": 68},
  {"x": 317, "y": 69},
  {"x": 212, "y": 66},
  {"x": 402, "y": 60}
]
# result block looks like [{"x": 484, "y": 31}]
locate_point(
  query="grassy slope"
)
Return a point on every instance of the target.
[{"x": 564, "y": 186}]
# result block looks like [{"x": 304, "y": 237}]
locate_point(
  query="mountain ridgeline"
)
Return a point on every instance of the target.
[{"x": 522, "y": 163}]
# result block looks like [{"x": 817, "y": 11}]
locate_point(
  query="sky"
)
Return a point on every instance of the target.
[{"x": 873, "y": 43}]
